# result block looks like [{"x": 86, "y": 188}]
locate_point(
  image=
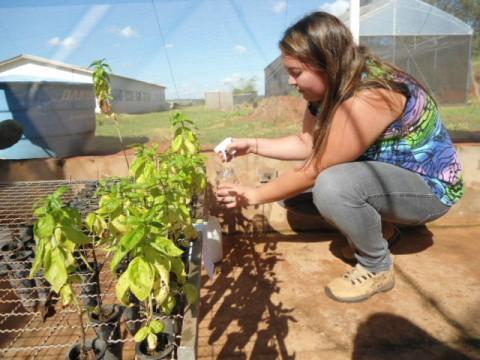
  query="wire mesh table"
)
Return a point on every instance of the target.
[{"x": 33, "y": 324}]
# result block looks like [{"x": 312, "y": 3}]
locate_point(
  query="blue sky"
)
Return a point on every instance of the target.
[{"x": 189, "y": 46}]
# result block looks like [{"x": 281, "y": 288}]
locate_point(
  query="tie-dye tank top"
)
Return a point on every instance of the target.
[{"x": 418, "y": 141}]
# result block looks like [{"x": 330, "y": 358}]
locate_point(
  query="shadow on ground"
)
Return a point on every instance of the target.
[
  {"x": 388, "y": 336},
  {"x": 242, "y": 315},
  {"x": 238, "y": 304}
]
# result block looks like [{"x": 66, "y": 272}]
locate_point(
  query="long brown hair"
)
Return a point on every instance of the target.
[{"x": 322, "y": 42}]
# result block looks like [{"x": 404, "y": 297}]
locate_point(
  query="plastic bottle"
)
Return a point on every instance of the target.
[{"x": 213, "y": 239}]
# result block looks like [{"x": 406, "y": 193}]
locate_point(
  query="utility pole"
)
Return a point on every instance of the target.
[{"x": 355, "y": 20}]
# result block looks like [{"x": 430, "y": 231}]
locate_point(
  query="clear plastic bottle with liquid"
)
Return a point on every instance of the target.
[{"x": 226, "y": 175}]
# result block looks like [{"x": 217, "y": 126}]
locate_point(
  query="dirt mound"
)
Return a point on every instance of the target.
[{"x": 279, "y": 109}]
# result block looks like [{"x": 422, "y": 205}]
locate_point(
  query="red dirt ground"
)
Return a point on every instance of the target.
[{"x": 279, "y": 109}]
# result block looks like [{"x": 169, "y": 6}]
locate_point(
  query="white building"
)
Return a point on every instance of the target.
[{"x": 130, "y": 96}]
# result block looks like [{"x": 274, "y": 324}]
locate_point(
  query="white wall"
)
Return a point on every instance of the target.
[
  {"x": 130, "y": 96},
  {"x": 37, "y": 70}
]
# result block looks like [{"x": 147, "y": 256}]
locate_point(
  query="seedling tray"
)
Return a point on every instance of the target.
[{"x": 30, "y": 331}]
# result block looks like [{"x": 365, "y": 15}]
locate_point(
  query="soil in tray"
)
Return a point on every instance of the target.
[{"x": 12, "y": 322}]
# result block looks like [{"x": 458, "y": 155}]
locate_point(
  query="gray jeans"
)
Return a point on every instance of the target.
[{"x": 355, "y": 197}]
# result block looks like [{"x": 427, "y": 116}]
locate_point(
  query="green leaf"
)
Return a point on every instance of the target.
[
  {"x": 166, "y": 246},
  {"x": 56, "y": 273},
  {"x": 157, "y": 326},
  {"x": 122, "y": 289},
  {"x": 69, "y": 260},
  {"x": 37, "y": 263},
  {"x": 137, "y": 168},
  {"x": 45, "y": 226},
  {"x": 133, "y": 238},
  {"x": 109, "y": 205},
  {"x": 178, "y": 268},
  {"x": 177, "y": 143},
  {"x": 67, "y": 294},
  {"x": 75, "y": 235},
  {"x": 119, "y": 224},
  {"x": 169, "y": 304},
  {"x": 95, "y": 223},
  {"x": 57, "y": 236},
  {"x": 70, "y": 216},
  {"x": 190, "y": 147},
  {"x": 141, "y": 277},
  {"x": 90, "y": 220},
  {"x": 191, "y": 292},
  {"x": 142, "y": 333},
  {"x": 69, "y": 245},
  {"x": 120, "y": 253}
]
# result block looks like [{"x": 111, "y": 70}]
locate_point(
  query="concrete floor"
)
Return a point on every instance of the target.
[{"x": 267, "y": 300}]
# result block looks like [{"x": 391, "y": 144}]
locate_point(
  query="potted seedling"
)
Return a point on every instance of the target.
[
  {"x": 59, "y": 240},
  {"x": 101, "y": 84},
  {"x": 103, "y": 92},
  {"x": 146, "y": 219}
]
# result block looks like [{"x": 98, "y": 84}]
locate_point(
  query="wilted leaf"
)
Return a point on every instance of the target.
[
  {"x": 56, "y": 273},
  {"x": 152, "y": 341}
]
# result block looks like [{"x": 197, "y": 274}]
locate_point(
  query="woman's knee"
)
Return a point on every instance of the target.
[{"x": 328, "y": 189}]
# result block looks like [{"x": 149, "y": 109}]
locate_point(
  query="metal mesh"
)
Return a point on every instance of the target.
[
  {"x": 428, "y": 43},
  {"x": 33, "y": 323}
]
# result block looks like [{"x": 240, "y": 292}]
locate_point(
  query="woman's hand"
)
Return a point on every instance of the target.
[
  {"x": 235, "y": 195},
  {"x": 239, "y": 147}
]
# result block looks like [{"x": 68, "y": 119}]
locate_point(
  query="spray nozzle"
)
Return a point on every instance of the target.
[{"x": 222, "y": 147}]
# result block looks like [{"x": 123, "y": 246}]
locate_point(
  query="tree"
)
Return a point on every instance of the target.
[{"x": 245, "y": 86}]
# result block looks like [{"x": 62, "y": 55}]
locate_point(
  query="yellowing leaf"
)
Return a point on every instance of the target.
[
  {"x": 142, "y": 334},
  {"x": 141, "y": 277},
  {"x": 67, "y": 294},
  {"x": 122, "y": 289},
  {"x": 45, "y": 226},
  {"x": 56, "y": 273},
  {"x": 156, "y": 326}
]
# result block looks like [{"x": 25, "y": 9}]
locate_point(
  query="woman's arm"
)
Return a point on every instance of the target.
[
  {"x": 293, "y": 147},
  {"x": 357, "y": 124}
]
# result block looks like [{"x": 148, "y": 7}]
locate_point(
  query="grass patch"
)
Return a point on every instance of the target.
[
  {"x": 462, "y": 117},
  {"x": 213, "y": 125}
]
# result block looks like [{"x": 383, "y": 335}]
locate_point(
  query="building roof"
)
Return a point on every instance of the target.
[
  {"x": 60, "y": 65},
  {"x": 406, "y": 18}
]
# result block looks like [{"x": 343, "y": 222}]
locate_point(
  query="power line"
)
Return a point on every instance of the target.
[{"x": 165, "y": 49}]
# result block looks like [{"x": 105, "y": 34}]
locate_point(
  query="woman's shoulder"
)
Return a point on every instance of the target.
[{"x": 381, "y": 100}]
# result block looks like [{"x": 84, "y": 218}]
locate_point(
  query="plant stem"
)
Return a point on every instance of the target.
[
  {"x": 83, "y": 352},
  {"x": 150, "y": 309},
  {"x": 117, "y": 126},
  {"x": 97, "y": 278}
]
